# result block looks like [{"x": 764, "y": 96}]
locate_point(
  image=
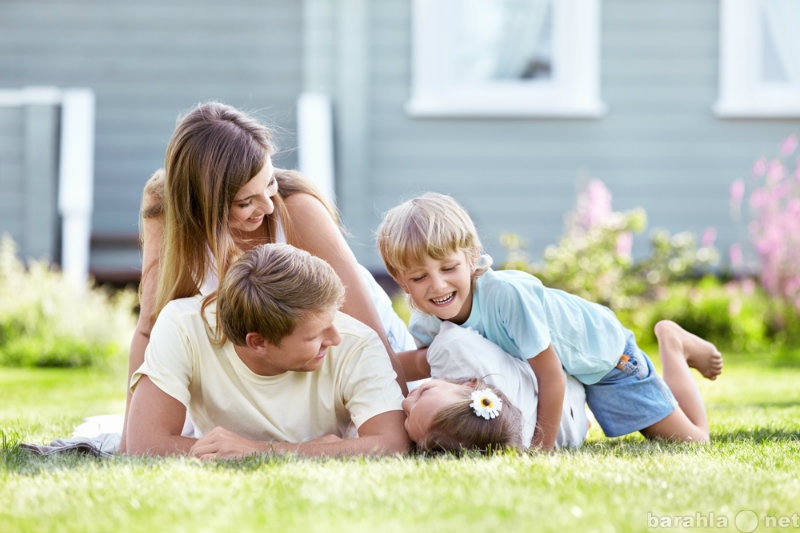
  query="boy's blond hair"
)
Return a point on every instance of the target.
[
  {"x": 431, "y": 225},
  {"x": 271, "y": 288}
]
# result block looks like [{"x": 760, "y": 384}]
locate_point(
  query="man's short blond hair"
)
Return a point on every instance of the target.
[{"x": 271, "y": 288}]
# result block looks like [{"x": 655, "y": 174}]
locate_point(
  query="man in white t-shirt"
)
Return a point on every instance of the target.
[{"x": 282, "y": 372}]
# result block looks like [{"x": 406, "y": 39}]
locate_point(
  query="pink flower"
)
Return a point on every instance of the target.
[
  {"x": 708, "y": 237},
  {"x": 774, "y": 224},
  {"x": 748, "y": 286},
  {"x": 737, "y": 191},
  {"x": 731, "y": 288},
  {"x": 596, "y": 203},
  {"x": 736, "y": 255},
  {"x": 775, "y": 172},
  {"x": 789, "y": 145},
  {"x": 793, "y": 285},
  {"x": 760, "y": 167},
  {"x": 624, "y": 244},
  {"x": 759, "y": 199},
  {"x": 793, "y": 210},
  {"x": 736, "y": 195},
  {"x": 769, "y": 280}
]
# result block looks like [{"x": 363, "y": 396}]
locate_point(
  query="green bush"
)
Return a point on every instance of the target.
[
  {"x": 732, "y": 315},
  {"x": 47, "y": 320}
]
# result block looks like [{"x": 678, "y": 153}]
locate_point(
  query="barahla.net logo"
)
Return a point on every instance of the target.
[{"x": 745, "y": 521}]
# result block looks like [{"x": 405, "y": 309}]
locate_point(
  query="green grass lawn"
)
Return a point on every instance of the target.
[{"x": 747, "y": 478}]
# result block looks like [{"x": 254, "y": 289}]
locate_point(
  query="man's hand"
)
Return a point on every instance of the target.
[{"x": 219, "y": 443}]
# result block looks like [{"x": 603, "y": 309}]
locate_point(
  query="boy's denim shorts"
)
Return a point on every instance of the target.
[{"x": 632, "y": 396}]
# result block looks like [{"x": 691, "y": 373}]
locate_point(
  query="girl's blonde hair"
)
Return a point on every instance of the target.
[
  {"x": 431, "y": 225},
  {"x": 214, "y": 151},
  {"x": 270, "y": 288},
  {"x": 458, "y": 428}
]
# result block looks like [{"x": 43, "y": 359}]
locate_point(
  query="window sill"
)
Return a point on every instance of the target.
[
  {"x": 725, "y": 109},
  {"x": 430, "y": 108}
]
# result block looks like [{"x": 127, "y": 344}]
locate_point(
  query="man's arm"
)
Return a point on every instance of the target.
[
  {"x": 382, "y": 434},
  {"x": 552, "y": 384},
  {"x": 155, "y": 422}
]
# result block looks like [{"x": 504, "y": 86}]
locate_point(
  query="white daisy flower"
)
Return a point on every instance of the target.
[{"x": 486, "y": 404}]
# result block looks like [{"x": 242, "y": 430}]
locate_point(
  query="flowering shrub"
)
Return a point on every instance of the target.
[
  {"x": 675, "y": 281},
  {"x": 773, "y": 211},
  {"x": 45, "y": 320},
  {"x": 594, "y": 257}
]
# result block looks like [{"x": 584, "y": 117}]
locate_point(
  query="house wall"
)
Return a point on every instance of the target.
[
  {"x": 148, "y": 62},
  {"x": 658, "y": 147},
  {"x": 29, "y": 124}
]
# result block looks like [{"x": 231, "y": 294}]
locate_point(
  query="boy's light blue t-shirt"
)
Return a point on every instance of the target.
[{"x": 517, "y": 312}]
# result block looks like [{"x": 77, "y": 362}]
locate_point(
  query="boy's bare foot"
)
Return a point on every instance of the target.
[{"x": 699, "y": 353}]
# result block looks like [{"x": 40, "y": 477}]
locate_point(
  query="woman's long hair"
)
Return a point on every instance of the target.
[{"x": 214, "y": 151}]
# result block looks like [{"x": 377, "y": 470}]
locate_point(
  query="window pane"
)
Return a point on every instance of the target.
[
  {"x": 780, "y": 50},
  {"x": 759, "y": 59},
  {"x": 506, "y": 58},
  {"x": 503, "y": 40},
  {"x": 771, "y": 68}
]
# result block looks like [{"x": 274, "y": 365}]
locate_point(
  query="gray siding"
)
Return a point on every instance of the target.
[
  {"x": 12, "y": 155},
  {"x": 28, "y": 177},
  {"x": 147, "y": 63},
  {"x": 658, "y": 147}
]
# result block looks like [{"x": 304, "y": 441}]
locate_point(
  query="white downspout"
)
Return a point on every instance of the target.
[{"x": 315, "y": 141}]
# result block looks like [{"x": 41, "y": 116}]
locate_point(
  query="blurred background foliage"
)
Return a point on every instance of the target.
[
  {"x": 749, "y": 303},
  {"x": 48, "y": 320},
  {"x": 743, "y": 305}
]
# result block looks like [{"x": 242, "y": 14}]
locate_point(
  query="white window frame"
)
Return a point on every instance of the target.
[
  {"x": 574, "y": 91},
  {"x": 742, "y": 92}
]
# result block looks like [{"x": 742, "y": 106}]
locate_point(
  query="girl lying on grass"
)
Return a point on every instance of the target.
[
  {"x": 431, "y": 248},
  {"x": 455, "y": 410}
]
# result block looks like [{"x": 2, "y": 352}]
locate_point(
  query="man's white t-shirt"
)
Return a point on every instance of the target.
[{"x": 355, "y": 382}]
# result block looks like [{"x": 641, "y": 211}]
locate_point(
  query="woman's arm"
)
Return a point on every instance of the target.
[
  {"x": 415, "y": 364},
  {"x": 152, "y": 234},
  {"x": 315, "y": 231}
]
